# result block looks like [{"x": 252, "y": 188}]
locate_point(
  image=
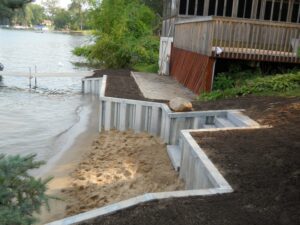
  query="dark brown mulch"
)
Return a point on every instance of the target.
[
  {"x": 111, "y": 72},
  {"x": 256, "y": 107},
  {"x": 125, "y": 87},
  {"x": 263, "y": 166}
]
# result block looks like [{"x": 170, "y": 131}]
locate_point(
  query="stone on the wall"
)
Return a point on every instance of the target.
[{"x": 180, "y": 105}]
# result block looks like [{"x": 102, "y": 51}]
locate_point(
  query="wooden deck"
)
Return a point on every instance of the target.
[
  {"x": 239, "y": 38},
  {"x": 256, "y": 55}
]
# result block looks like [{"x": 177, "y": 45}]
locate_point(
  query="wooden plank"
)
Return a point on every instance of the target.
[
  {"x": 230, "y": 42},
  {"x": 287, "y": 40},
  {"x": 297, "y": 35},
  {"x": 282, "y": 42},
  {"x": 222, "y": 33}
]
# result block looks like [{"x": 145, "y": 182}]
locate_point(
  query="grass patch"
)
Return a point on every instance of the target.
[
  {"x": 228, "y": 86},
  {"x": 147, "y": 68}
]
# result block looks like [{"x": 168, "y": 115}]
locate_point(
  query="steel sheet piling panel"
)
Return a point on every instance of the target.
[
  {"x": 193, "y": 70},
  {"x": 107, "y": 117},
  {"x": 138, "y": 118},
  {"x": 123, "y": 116},
  {"x": 155, "y": 121}
]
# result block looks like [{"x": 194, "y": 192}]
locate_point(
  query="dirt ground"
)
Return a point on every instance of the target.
[
  {"x": 123, "y": 87},
  {"x": 263, "y": 167},
  {"x": 111, "y": 72},
  {"x": 120, "y": 165}
]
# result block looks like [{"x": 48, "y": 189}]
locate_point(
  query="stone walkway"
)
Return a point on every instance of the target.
[{"x": 154, "y": 86}]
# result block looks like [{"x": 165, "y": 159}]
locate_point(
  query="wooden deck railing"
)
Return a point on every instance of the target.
[{"x": 239, "y": 38}]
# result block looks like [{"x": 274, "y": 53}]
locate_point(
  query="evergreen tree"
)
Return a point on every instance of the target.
[{"x": 21, "y": 195}]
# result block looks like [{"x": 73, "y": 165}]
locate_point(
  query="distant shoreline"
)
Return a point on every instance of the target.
[{"x": 72, "y": 32}]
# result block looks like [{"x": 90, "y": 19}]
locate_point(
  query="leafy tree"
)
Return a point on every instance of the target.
[
  {"x": 36, "y": 14},
  {"x": 156, "y": 5},
  {"x": 21, "y": 195},
  {"x": 125, "y": 34},
  {"x": 50, "y": 7},
  {"x": 31, "y": 14},
  {"x": 61, "y": 19},
  {"x": 77, "y": 13}
]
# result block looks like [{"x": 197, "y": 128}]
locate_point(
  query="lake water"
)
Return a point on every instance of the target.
[
  {"x": 34, "y": 121},
  {"x": 49, "y": 52}
]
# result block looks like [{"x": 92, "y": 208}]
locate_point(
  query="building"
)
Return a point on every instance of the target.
[{"x": 197, "y": 33}]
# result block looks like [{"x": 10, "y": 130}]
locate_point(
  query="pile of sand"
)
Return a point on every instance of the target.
[{"x": 119, "y": 166}]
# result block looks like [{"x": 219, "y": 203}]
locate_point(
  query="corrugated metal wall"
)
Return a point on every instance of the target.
[{"x": 192, "y": 70}]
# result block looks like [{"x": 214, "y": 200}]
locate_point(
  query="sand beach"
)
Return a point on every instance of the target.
[{"x": 106, "y": 168}]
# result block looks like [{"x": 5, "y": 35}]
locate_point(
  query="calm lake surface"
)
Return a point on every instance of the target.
[{"x": 39, "y": 121}]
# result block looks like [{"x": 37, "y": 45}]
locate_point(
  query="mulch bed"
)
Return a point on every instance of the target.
[
  {"x": 111, "y": 72},
  {"x": 120, "y": 84},
  {"x": 263, "y": 167}
]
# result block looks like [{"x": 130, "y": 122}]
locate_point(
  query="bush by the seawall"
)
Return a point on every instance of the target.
[{"x": 280, "y": 85}]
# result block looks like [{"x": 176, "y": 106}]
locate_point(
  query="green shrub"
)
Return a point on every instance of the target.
[
  {"x": 148, "y": 68},
  {"x": 125, "y": 35},
  {"x": 214, "y": 95},
  {"x": 21, "y": 195},
  {"x": 223, "y": 82},
  {"x": 277, "y": 85}
]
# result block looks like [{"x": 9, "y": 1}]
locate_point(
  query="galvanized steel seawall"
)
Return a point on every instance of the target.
[{"x": 191, "y": 69}]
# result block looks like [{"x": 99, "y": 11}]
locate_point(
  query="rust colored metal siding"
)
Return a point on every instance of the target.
[{"x": 192, "y": 70}]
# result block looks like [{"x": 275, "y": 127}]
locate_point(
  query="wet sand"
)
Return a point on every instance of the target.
[{"x": 60, "y": 170}]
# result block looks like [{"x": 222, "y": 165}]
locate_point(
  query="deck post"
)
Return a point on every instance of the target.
[
  {"x": 235, "y": 8},
  {"x": 206, "y": 6},
  {"x": 290, "y": 10},
  {"x": 187, "y": 7},
  {"x": 254, "y": 9},
  {"x": 298, "y": 19},
  {"x": 280, "y": 10},
  {"x": 262, "y": 10},
  {"x": 272, "y": 10},
  {"x": 224, "y": 8},
  {"x": 196, "y": 7}
]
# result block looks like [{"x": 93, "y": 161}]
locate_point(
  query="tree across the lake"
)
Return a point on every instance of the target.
[{"x": 19, "y": 12}]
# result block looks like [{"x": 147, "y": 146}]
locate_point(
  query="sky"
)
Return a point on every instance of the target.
[{"x": 62, "y": 3}]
